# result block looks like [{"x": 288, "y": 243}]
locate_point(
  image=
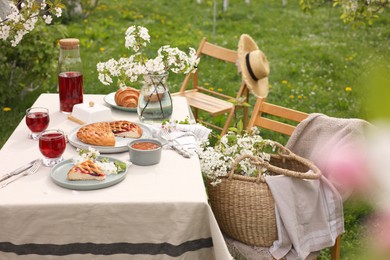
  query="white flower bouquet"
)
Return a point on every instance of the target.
[
  {"x": 217, "y": 161},
  {"x": 128, "y": 69}
]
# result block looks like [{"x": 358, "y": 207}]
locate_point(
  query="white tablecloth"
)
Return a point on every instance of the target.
[{"x": 156, "y": 212}]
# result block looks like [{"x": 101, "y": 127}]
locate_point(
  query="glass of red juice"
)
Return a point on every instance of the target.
[
  {"x": 52, "y": 144},
  {"x": 70, "y": 86},
  {"x": 37, "y": 120}
]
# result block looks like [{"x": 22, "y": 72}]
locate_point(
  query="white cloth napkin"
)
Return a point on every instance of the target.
[{"x": 187, "y": 136}]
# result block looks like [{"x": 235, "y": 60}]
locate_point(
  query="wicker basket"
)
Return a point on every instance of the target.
[{"x": 244, "y": 206}]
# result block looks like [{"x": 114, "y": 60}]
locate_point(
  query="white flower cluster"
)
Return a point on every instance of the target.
[
  {"x": 84, "y": 155},
  {"x": 136, "y": 38},
  {"x": 217, "y": 161},
  {"x": 128, "y": 69},
  {"x": 108, "y": 167},
  {"x": 176, "y": 60},
  {"x": 18, "y": 23},
  {"x": 169, "y": 125}
]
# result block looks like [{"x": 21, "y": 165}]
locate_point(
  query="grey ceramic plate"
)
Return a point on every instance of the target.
[
  {"x": 110, "y": 99},
  {"x": 120, "y": 142},
  {"x": 60, "y": 171}
]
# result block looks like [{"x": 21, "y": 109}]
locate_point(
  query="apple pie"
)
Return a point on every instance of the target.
[
  {"x": 104, "y": 133},
  {"x": 86, "y": 170}
]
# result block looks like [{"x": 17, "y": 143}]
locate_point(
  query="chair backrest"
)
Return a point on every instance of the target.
[
  {"x": 215, "y": 59},
  {"x": 282, "y": 120},
  {"x": 218, "y": 52},
  {"x": 211, "y": 50}
]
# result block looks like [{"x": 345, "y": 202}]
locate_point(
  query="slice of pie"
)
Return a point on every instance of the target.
[
  {"x": 125, "y": 128},
  {"x": 86, "y": 170}
]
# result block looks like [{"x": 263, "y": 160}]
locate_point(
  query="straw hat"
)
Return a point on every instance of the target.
[{"x": 254, "y": 66}]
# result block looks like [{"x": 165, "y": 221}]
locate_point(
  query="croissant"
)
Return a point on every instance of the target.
[{"x": 127, "y": 97}]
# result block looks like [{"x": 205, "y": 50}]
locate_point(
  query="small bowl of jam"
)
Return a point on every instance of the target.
[{"x": 145, "y": 152}]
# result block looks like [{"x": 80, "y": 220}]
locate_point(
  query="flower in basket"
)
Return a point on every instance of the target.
[
  {"x": 128, "y": 69},
  {"x": 216, "y": 162}
]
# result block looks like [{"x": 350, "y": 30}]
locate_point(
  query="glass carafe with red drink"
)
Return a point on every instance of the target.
[{"x": 70, "y": 75}]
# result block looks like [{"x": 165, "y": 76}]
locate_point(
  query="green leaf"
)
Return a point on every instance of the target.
[
  {"x": 120, "y": 166},
  {"x": 245, "y": 104},
  {"x": 240, "y": 126},
  {"x": 233, "y": 129},
  {"x": 104, "y": 160},
  {"x": 232, "y": 139}
]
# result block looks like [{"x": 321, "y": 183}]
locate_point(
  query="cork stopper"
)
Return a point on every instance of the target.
[
  {"x": 69, "y": 43},
  {"x": 91, "y": 103}
]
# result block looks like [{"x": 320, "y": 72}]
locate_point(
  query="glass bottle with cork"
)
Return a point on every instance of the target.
[{"x": 70, "y": 76}]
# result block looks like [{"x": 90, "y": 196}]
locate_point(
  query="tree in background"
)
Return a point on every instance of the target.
[
  {"x": 355, "y": 12},
  {"x": 19, "y": 17},
  {"x": 24, "y": 67}
]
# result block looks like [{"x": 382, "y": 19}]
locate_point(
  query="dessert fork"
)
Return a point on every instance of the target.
[{"x": 30, "y": 171}]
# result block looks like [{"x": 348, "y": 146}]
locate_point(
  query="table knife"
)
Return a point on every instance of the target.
[{"x": 17, "y": 171}]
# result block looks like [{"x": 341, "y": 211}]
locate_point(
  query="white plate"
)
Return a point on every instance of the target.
[
  {"x": 120, "y": 142},
  {"x": 59, "y": 175},
  {"x": 110, "y": 99}
]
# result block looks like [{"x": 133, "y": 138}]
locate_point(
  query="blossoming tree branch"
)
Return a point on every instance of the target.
[
  {"x": 355, "y": 12},
  {"x": 17, "y": 18}
]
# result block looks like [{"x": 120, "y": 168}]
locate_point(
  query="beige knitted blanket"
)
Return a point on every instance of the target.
[
  {"x": 319, "y": 133},
  {"x": 331, "y": 143}
]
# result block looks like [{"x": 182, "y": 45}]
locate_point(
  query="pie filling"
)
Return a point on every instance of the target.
[
  {"x": 124, "y": 128},
  {"x": 93, "y": 173}
]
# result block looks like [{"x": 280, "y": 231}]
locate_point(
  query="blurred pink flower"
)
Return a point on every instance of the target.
[{"x": 347, "y": 168}]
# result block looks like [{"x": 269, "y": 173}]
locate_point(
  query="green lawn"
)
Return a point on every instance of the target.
[{"x": 318, "y": 64}]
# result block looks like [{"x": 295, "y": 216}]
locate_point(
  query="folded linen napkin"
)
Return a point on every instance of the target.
[
  {"x": 190, "y": 135},
  {"x": 187, "y": 136}
]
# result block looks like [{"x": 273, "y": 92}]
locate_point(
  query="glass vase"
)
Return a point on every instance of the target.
[{"x": 155, "y": 102}]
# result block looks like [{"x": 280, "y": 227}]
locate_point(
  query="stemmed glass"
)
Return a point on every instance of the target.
[
  {"x": 37, "y": 120},
  {"x": 52, "y": 144}
]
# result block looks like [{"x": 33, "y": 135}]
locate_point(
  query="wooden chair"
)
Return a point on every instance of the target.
[
  {"x": 262, "y": 107},
  {"x": 212, "y": 102},
  {"x": 279, "y": 113}
]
